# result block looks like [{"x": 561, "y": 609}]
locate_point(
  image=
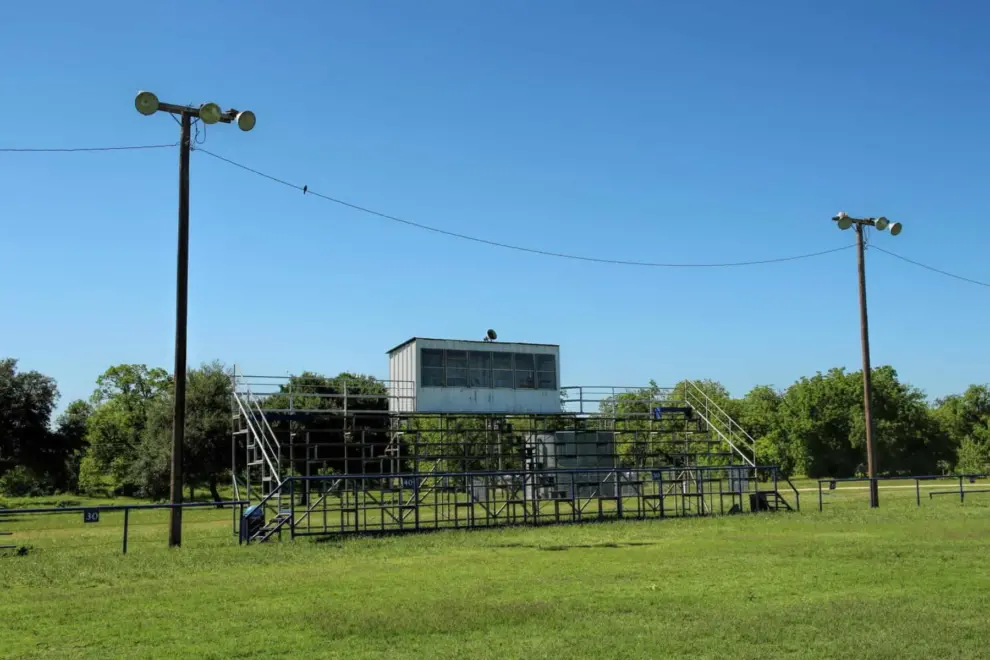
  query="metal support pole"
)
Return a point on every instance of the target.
[
  {"x": 126, "y": 516},
  {"x": 181, "y": 304},
  {"x": 292, "y": 508},
  {"x": 871, "y": 464}
]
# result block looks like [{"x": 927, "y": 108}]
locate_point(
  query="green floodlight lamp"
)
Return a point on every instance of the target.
[
  {"x": 210, "y": 113},
  {"x": 843, "y": 220},
  {"x": 146, "y": 103},
  {"x": 895, "y": 228},
  {"x": 881, "y": 223},
  {"x": 246, "y": 120}
]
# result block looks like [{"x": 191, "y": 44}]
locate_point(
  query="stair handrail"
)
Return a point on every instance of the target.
[
  {"x": 251, "y": 398},
  {"x": 264, "y": 419},
  {"x": 797, "y": 494},
  {"x": 732, "y": 422},
  {"x": 271, "y": 444},
  {"x": 728, "y": 441},
  {"x": 264, "y": 500},
  {"x": 732, "y": 426},
  {"x": 260, "y": 440}
]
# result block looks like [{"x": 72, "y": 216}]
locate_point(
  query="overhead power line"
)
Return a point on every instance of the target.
[
  {"x": 931, "y": 268},
  {"x": 547, "y": 253},
  {"x": 77, "y": 149}
]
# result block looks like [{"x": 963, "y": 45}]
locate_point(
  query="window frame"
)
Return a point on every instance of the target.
[
  {"x": 498, "y": 367},
  {"x": 503, "y": 371},
  {"x": 525, "y": 372},
  {"x": 461, "y": 370},
  {"x": 441, "y": 369},
  {"x": 552, "y": 372},
  {"x": 473, "y": 370}
]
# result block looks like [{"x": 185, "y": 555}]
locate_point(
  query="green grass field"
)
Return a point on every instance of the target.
[{"x": 899, "y": 582}]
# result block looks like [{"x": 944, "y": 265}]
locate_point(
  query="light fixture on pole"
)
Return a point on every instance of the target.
[
  {"x": 209, "y": 113},
  {"x": 844, "y": 221}
]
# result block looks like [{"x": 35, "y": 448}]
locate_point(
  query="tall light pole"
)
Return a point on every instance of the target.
[
  {"x": 844, "y": 222},
  {"x": 209, "y": 113}
]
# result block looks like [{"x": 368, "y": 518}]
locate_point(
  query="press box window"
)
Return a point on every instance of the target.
[
  {"x": 432, "y": 367},
  {"x": 457, "y": 371},
  {"x": 546, "y": 372},
  {"x": 525, "y": 373},
  {"x": 502, "y": 370},
  {"x": 479, "y": 369}
]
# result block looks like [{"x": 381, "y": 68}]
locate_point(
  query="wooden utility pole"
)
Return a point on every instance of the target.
[
  {"x": 844, "y": 221},
  {"x": 209, "y": 113}
]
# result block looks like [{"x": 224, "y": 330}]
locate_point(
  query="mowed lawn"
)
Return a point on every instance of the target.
[{"x": 899, "y": 582}]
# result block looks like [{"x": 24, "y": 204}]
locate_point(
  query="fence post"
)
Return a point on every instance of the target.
[
  {"x": 917, "y": 489},
  {"x": 292, "y": 509},
  {"x": 127, "y": 512},
  {"x": 660, "y": 486},
  {"x": 961, "y": 496},
  {"x": 821, "y": 505}
]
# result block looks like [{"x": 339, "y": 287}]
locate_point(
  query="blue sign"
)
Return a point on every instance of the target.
[
  {"x": 657, "y": 413},
  {"x": 408, "y": 482},
  {"x": 657, "y": 475},
  {"x": 91, "y": 516}
]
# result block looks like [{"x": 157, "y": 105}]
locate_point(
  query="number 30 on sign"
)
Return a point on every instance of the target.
[{"x": 91, "y": 516}]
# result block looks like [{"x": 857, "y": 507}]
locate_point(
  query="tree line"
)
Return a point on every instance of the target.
[{"x": 118, "y": 442}]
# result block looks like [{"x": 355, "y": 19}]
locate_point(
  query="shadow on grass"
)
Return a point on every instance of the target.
[{"x": 575, "y": 546}]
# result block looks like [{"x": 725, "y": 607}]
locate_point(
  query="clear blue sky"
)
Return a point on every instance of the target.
[{"x": 655, "y": 131}]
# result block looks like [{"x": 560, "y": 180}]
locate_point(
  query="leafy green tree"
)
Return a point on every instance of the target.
[
  {"x": 70, "y": 433},
  {"x": 822, "y": 419},
  {"x": 121, "y": 403},
  {"x": 206, "y": 449},
  {"x": 907, "y": 437},
  {"x": 760, "y": 416},
  {"x": 27, "y": 400},
  {"x": 965, "y": 418}
]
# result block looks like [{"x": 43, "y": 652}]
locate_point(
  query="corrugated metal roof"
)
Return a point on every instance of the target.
[{"x": 467, "y": 341}]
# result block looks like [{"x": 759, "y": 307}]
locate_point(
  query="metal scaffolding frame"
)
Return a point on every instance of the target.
[{"x": 333, "y": 453}]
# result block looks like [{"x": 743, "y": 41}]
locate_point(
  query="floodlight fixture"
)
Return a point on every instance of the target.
[
  {"x": 210, "y": 113},
  {"x": 146, "y": 103},
  {"x": 895, "y": 228},
  {"x": 246, "y": 120},
  {"x": 843, "y": 220},
  {"x": 491, "y": 335},
  {"x": 881, "y": 223}
]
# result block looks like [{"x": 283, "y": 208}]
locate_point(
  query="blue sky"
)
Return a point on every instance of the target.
[{"x": 654, "y": 131}]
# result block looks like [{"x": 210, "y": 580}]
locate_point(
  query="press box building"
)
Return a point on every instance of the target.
[{"x": 485, "y": 377}]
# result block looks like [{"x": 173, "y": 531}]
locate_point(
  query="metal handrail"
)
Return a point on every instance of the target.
[
  {"x": 272, "y": 449},
  {"x": 531, "y": 472},
  {"x": 264, "y": 419},
  {"x": 727, "y": 416},
  {"x": 731, "y": 425},
  {"x": 274, "y": 491},
  {"x": 729, "y": 442},
  {"x": 797, "y": 495},
  {"x": 264, "y": 441}
]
